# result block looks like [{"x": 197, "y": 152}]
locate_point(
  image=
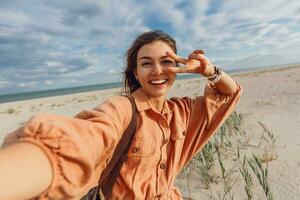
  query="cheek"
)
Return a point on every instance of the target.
[
  {"x": 141, "y": 73},
  {"x": 173, "y": 77},
  {"x": 172, "y": 80}
]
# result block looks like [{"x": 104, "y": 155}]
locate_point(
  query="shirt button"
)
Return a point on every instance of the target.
[
  {"x": 183, "y": 133},
  {"x": 162, "y": 165},
  {"x": 135, "y": 149}
]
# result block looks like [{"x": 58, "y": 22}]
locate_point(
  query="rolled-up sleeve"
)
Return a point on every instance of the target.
[
  {"x": 219, "y": 106},
  {"x": 78, "y": 148},
  {"x": 202, "y": 116}
]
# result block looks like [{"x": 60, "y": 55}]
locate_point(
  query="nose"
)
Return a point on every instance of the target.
[{"x": 157, "y": 69}]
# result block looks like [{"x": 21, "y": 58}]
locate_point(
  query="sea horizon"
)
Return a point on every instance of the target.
[{"x": 10, "y": 97}]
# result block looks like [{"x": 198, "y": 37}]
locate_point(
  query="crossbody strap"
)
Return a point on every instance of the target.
[{"x": 111, "y": 172}]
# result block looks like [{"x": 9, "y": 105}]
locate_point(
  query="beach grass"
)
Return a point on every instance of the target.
[
  {"x": 229, "y": 161},
  {"x": 10, "y": 111}
]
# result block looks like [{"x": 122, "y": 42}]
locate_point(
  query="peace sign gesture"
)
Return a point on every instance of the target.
[{"x": 196, "y": 63}]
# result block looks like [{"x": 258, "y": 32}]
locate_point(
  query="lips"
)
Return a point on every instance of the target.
[{"x": 158, "y": 81}]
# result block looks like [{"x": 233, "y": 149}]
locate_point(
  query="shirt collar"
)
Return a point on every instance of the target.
[{"x": 142, "y": 102}]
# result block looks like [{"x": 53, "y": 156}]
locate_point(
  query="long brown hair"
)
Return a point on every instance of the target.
[{"x": 129, "y": 80}]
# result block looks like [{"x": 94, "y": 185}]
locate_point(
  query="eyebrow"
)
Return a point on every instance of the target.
[
  {"x": 144, "y": 57},
  {"x": 147, "y": 57}
]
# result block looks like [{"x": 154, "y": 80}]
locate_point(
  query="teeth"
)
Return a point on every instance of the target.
[{"x": 158, "y": 81}]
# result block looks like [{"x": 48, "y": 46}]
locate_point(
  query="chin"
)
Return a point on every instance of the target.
[
  {"x": 159, "y": 94},
  {"x": 156, "y": 93}
]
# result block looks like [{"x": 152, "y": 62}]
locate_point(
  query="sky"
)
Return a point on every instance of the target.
[{"x": 67, "y": 43}]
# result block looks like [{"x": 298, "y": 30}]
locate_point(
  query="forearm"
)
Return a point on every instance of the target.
[
  {"x": 226, "y": 85},
  {"x": 25, "y": 171}
]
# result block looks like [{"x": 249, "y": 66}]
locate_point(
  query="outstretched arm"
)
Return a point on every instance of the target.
[
  {"x": 25, "y": 171},
  {"x": 60, "y": 157}
]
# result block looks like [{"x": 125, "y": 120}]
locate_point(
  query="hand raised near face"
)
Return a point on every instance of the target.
[{"x": 196, "y": 63}]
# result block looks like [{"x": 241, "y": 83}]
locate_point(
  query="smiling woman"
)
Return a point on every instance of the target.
[
  {"x": 73, "y": 153},
  {"x": 151, "y": 71}
]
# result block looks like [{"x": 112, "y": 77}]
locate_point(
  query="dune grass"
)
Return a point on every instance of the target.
[
  {"x": 10, "y": 111},
  {"x": 229, "y": 160}
]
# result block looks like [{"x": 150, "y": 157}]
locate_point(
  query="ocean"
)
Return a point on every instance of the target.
[{"x": 63, "y": 91}]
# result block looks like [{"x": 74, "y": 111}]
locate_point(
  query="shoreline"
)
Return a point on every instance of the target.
[
  {"x": 254, "y": 84},
  {"x": 14, "y": 97}
]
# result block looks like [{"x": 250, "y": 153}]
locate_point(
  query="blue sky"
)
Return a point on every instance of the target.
[{"x": 63, "y": 43}]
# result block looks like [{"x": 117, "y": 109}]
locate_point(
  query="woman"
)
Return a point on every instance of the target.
[{"x": 62, "y": 158}]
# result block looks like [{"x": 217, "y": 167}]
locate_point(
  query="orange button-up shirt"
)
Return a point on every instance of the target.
[{"x": 80, "y": 148}]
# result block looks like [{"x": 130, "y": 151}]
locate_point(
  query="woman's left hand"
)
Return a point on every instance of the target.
[{"x": 196, "y": 63}]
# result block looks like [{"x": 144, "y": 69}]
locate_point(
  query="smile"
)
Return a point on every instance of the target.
[{"x": 158, "y": 82}]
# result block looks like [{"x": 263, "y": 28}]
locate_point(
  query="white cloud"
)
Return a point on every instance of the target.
[
  {"x": 62, "y": 70},
  {"x": 4, "y": 84},
  {"x": 48, "y": 82},
  {"x": 53, "y": 63},
  {"x": 222, "y": 28},
  {"x": 77, "y": 43},
  {"x": 16, "y": 18},
  {"x": 74, "y": 81},
  {"x": 31, "y": 84},
  {"x": 113, "y": 71}
]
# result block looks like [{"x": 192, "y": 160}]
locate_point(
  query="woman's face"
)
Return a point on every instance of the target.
[{"x": 152, "y": 63}]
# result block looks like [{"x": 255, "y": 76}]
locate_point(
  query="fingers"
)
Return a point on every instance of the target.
[
  {"x": 176, "y": 57},
  {"x": 199, "y": 51},
  {"x": 198, "y": 55},
  {"x": 181, "y": 69},
  {"x": 195, "y": 60},
  {"x": 180, "y": 60},
  {"x": 195, "y": 56}
]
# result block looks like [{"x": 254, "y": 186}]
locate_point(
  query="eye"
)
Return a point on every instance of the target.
[
  {"x": 146, "y": 63},
  {"x": 168, "y": 62}
]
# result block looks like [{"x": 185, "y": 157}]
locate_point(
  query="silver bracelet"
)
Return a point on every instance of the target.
[{"x": 216, "y": 76}]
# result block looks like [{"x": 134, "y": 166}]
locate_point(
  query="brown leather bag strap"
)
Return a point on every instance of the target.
[{"x": 111, "y": 172}]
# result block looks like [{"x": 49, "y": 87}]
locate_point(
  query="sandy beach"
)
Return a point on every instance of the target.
[{"x": 271, "y": 97}]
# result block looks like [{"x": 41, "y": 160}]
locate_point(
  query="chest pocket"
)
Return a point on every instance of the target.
[
  {"x": 179, "y": 132},
  {"x": 141, "y": 147}
]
